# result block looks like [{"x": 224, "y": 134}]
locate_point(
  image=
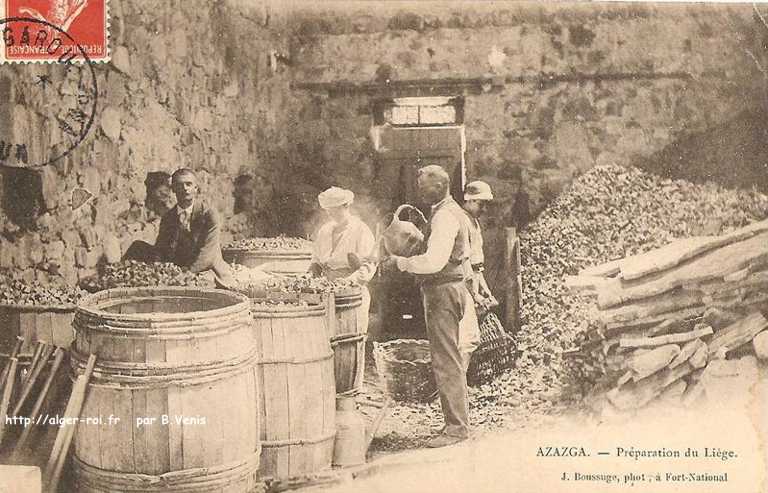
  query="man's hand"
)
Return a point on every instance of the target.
[
  {"x": 316, "y": 270},
  {"x": 389, "y": 264}
]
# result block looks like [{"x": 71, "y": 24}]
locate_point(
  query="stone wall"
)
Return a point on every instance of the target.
[
  {"x": 583, "y": 85},
  {"x": 189, "y": 84},
  {"x": 215, "y": 86}
]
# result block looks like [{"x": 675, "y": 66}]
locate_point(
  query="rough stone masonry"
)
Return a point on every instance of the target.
[{"x": 214, "y": 86}]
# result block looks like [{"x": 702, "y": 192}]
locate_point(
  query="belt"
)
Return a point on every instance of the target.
[
  {"x": 478, "y": 267},
  {"x": 440, "y": 281}
]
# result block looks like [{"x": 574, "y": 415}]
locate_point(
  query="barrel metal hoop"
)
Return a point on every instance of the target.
[
  {"x": 298, "y": 441},
  {"x": 187, "y": 480},
  {"x": 337, "y": 340},
  {"x": 294, "y": 361},
  {"x": 189, "y": 376}
]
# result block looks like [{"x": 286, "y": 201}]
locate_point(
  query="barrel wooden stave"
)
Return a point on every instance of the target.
[
  {"x": 295, "y": 374},
  {"x": 52, "y": 325},
  {"x": 229, "y": 431},
  {"x": 170, "y": 364},
  {"x": 348, "y": 343},
  {"x": 270, "y": 261}
]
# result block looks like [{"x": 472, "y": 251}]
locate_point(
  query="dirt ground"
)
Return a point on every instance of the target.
[{"x": 516, "y": 453}]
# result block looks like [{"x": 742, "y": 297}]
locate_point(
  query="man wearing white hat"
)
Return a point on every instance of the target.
[
  {"x": 477, "y": 195},
  {"x": 343, "y": 235}
]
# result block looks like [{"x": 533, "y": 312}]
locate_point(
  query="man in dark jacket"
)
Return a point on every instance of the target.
[{"x": 189, "y": 232}]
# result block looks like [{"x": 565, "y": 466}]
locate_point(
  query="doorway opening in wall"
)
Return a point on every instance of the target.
[
  {"x": 412, "y": 132},
  {"x": 409, "y": 133}
]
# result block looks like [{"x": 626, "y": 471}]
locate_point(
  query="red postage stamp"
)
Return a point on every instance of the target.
[{"x": 54, "y": 30}]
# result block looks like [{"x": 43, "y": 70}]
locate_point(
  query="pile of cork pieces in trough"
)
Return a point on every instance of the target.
[{"x": 607, "y": 214}]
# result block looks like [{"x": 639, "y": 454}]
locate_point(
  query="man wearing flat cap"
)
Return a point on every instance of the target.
[
  {"x": 444, "y": 273},
  {"x": 189, "y": 232}
]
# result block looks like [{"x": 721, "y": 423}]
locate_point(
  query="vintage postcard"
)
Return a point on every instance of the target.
[{"x": 383, "y": 246}]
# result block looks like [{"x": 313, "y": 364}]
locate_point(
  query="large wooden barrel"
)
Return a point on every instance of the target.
[
  {"x": 347, "y": 337},
  {"x": 175, "y": 370},
  {"x": 295, "y": 374},
  {"x": 51, "y": 324},
  {"x": 277, "y": 262}
]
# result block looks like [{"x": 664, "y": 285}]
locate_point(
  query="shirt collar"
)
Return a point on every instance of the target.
[
  {"x": 446, "y": 199},
  {"x": 188, "y": 210}
]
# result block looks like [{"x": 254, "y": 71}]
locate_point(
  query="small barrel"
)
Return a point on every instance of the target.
[
  {"x": 347, "y": 339},
  {"x": 51, "y": 324},
  {"x": 170, "y": 404},
  {"x": 275, "y": 262},
  {"x": 295, "y": 374}
]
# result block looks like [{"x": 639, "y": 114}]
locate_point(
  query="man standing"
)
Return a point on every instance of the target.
[
  {"x": 476, "y": 197},
  {"x": 444, "y": 272},
  {"x": 189, "y": 232}
]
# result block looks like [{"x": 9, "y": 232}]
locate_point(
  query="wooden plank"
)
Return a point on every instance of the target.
[
  {"x": 157, "y": 436},
  {"x": 584, "y": 285},
  {"x": 513, "y": 288},
  {"x": 711, "y": 265},
  {"x": 665, "y": 257},
  {"x": 638, "y": 394},
  {"x": 688, "y": 350},
  {"x": 679, "y": 251},
  {"x": 192, "y": 440},
  {"x": 154, "y": 350},
  {"x": 738, "y": 333},
  {"x": 123, "y": 431},
  {"x": 648, "y": 307},
  {"x": 608, "y": 269},
  {"x": 677, "y": 317},
  {"x": 647, "y": 363},
  {"x": 28, "y": 330},
  {"x": 280, "y": 423},
  {"x": 298, "y": 395},
  {"x": 666, "y": 339},
  {"x": 141, "y": 433},
  {"x": 5, "y": 399},
  {"x": 45, "y": 323},
  {"x": 175, "y": 431}
]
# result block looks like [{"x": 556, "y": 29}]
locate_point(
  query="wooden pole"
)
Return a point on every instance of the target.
[
  {"x": 39, "y": 346},
  {"x": 5, "y": 402},
  {"x": 512, "y": 291},
  {"x": 58, "y": 357},
  {"x": 64, "y": 438},
  {"x": 377, "y": 422},
  {"x": 34, "y": 374},
  {"x": 14, "y": 354}
]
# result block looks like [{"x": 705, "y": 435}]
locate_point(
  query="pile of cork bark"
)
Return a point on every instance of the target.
[{"x": 665, "y": 316}]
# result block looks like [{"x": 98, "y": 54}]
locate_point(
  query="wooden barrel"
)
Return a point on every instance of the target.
[
  {"x": 46, "y": 323},
  {"x": 175, "y": 372},
  {"x": 347, "y": 337},
  {"x": 295, "y": 374},
  {"x": 272, "y": 261}
]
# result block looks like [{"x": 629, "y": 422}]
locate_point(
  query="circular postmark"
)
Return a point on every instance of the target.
[{"x": 51, "y": 106}]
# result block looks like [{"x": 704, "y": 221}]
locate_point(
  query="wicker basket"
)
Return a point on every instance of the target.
[
  {"x": 497, "y": 352},
  {"x": 405, "y": 370}
]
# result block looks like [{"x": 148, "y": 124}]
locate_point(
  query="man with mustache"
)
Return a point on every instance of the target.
[
  {"x": 444, "y": 272},
  {"x": 189, "y": 232}
]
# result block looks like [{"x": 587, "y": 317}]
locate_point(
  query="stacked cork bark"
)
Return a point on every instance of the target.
[{"x": 664, "y": 315}]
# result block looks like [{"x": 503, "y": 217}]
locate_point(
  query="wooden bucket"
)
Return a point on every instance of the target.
[
  {"x": 175, "y": 373},
  {"x": 275, "y": 262},
  {"x": 295, "y": 374},
  {"x": 47, "y": 323},
  {"x": 347, "y": 337}
]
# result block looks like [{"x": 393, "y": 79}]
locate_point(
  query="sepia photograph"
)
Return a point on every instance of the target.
[{"x": 383, "y": 246}]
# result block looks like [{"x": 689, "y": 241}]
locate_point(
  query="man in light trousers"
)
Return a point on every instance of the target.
[{"x": 444, "y": 271}]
